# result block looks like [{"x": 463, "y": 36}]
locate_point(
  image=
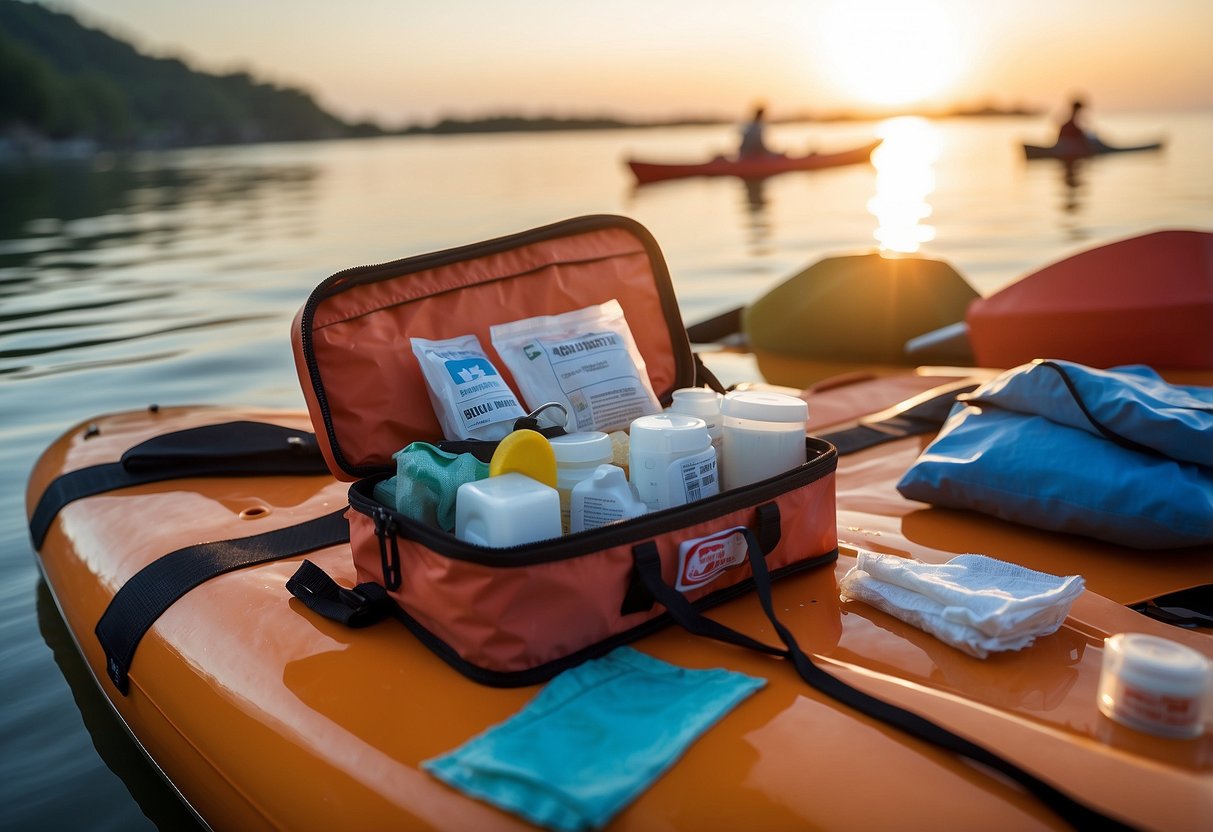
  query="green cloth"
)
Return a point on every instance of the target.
[{"x": 426, "y": 482}]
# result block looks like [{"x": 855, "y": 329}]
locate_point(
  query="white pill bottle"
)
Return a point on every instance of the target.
[
  {"x": 703, "y": 403},
  {"x": 672, "y": 461},
  {"x": 762, "y": 435},
  {"x": 578, "y": 456}
]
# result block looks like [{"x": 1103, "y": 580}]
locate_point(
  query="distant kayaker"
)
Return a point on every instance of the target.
[
  {"x": 1072, "y": 132},
  {"x": 753, "y": 142}
]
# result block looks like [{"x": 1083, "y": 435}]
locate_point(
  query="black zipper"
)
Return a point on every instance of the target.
[
  {"x": 617, "y": 534},
  {"x": 389, "y": 546},
  {"x": 684, "y": 369}
]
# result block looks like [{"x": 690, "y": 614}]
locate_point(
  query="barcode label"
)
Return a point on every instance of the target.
[{"x": 699, "y": 477}]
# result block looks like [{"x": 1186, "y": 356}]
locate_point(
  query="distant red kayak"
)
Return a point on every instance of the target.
[{"x": 752, "y": 168}]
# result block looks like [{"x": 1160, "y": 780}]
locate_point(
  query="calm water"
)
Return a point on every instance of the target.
[{"x": 173, "y": 278}]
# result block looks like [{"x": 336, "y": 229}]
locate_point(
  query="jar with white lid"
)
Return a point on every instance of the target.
[
  {"x": 701, "y": 403},
  {"x": 672, "y": 461},
  {"x": 762, "y": 435},
  {"x": 1155, "y": 685},
  {"x": 578, "y": 455}
]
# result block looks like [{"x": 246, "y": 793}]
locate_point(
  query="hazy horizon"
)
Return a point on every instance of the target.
[{"x": 398, "y": 64}]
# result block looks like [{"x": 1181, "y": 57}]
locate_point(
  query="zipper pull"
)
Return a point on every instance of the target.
[{"x": 389, "y": 548}]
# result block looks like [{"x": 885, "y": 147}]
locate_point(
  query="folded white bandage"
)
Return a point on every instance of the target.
[{"x": 973, "y": 602}]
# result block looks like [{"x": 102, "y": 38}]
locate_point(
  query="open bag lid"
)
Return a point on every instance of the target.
[{"x": 365, "y": 390}]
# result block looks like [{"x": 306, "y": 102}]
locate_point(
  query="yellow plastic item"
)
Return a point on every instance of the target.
[{"x": 525, "y": 452}]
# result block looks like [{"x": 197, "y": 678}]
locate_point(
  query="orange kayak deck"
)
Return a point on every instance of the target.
[{"x": 263, "y": 715}]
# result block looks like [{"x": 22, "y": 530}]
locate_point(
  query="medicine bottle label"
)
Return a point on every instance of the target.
[{"x": 693, "y": 477}]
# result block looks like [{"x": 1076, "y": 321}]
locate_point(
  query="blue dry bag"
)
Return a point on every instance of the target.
[{"x": 1118, "y": 455}]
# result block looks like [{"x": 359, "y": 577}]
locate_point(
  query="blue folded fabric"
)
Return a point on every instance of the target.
[
  {"x": 593, "y": 739},
  {"x": 1027, "y": 447},
  {"x": 1134, "y": 402}
]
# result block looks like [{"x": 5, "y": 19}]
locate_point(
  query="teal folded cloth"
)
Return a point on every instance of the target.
[
  {"x": 426, "y": 482},
  {"x": 593, "y": 739}
]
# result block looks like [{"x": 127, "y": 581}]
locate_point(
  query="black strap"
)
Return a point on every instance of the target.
[
  {"x": 155, "y": 587},
  {"x": 648, "y": 565},
  {"x": 705, "y": 377},
  {"x": 244, "y": 448},
  {"x": 361, "y": 606},
  {"x": 922, "y": 414}
]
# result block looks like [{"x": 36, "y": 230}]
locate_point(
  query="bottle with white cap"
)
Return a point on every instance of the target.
[
  {"x": 672, "y": 460},
  {"x": 702, "y": 403},
  {"x": 603, "y": 498},
  {"x": 578, "y": 455},
  {"x": 763, "y": 434},
  {"x": 506, "y": 510}
]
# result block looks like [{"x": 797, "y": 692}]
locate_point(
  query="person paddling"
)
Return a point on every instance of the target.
[
  {"x": 1071, "y": 132},
  {"x": 753, "y": 141}
]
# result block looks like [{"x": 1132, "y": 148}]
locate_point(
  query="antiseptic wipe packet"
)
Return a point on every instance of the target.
[
  {"x": 470, "y": 398},
  {"x": 585, "y": 359}
]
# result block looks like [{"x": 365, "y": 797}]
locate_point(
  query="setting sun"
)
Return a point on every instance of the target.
[{"x": 890, "y": 53}]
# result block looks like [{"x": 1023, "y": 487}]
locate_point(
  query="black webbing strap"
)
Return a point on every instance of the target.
[
  {"x": 361, "y": 606},
  {"x": 648, "y": 565},
  {"x": 704, "y": 376},
  {"x": 232, "y": 448},
  {"x": 922, "y": 414},
  {"x": 155, "y": 587}
]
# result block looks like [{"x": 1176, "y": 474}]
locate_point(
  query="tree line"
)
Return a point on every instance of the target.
[{"x": 63, "y": 80}]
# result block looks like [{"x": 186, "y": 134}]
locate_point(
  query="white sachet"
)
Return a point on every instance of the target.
[
  {"x": 586, "y": 360},
  {"x": 470, "y": 398},
  {"x": 975, "y": 603}
]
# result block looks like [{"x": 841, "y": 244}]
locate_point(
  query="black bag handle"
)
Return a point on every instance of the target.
[
  {"x": 361, "y": 606},
  {"x": 648, "y": 567}
]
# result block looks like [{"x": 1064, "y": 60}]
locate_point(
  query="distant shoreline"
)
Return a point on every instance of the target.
[
  {"x": 519, "y": 123},
  {"x": 26, "y": 144}
]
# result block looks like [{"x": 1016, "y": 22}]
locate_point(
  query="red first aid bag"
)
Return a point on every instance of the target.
[{"x": 520, "y": 614}]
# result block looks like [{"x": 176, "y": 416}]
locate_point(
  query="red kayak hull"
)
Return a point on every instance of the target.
[
  {"x": 758, "y": 167},
  {"x": 1144, "y": 300}
]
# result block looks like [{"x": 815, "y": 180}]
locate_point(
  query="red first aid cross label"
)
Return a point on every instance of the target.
[{"x": 704, "y": 559}]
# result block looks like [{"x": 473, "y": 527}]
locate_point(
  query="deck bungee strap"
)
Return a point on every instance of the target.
[
  {"x": 157, "y": 586},
  {"x": 231, "y": 448}
]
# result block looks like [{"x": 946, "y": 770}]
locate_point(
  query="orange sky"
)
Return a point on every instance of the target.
[{"x": 400, "y": 61}]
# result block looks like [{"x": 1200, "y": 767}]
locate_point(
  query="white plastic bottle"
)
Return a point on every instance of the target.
[
  {"x": 506, "y": 510},
  {"x": 578, "y": 455},
  {"x": 702, "y": 403},
  {"x": 672, "y": 460},
  {"x": 762, "y": 435},
  {"x": 604, "y": 497}
]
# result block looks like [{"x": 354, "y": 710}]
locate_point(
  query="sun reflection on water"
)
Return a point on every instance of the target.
[{"x": 905, "y": 177}]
